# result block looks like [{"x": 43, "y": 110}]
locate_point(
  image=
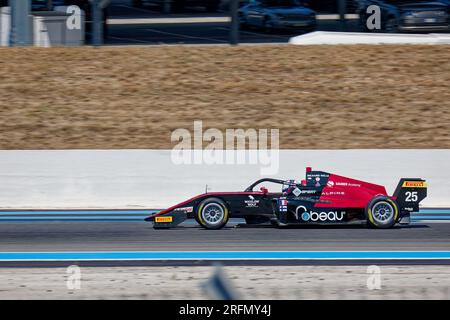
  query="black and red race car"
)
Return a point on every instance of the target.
[{"x": 322, "y": 198}]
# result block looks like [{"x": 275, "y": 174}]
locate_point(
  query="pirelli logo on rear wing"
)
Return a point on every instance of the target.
[{"x": 414, "y": 184}]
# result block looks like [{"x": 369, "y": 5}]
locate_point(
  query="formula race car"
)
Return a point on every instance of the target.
[{"x": 322, "y": 198}]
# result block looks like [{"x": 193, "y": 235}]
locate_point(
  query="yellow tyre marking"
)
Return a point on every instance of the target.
[
  {"x": 395, "y": 209},
  {"x": 200, "y": 214},
  {"x": 370, "y": 216},
  {"x": 225, "y": 213},
  {"x": 393, "y": 206}
]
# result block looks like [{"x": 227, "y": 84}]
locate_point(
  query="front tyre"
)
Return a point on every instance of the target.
[
  {"x": 212, "y": 213},
  {"x": 382, "y": 212}
]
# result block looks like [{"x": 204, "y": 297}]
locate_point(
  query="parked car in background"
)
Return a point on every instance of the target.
[
  {"x": 179, "y": 5},
  {"x": 320, "y": 6},
  {"x": 277, "y": 14},
  {"x": 331, "y": 6},
  {"x": 409, "y": 15}
]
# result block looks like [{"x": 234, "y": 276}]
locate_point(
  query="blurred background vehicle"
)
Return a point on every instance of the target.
[
  {"x": 409, "y": 15},
  {"x": 277, "y": 14},
  {"x": 331, "y": 6},
  {"x": 320, "y": 6},
  {"x": 125, "y": 24},
  {"x": 179, "y": 5}
]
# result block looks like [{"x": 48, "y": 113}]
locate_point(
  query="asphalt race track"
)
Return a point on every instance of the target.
[
  {"x": 121, "y": 237},
  {"x": 140, "y": 236}
]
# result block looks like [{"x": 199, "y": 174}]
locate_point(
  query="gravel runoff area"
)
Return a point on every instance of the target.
[
  {"x": 384, "y": 96},
  {"x": 249, "y": 282}
]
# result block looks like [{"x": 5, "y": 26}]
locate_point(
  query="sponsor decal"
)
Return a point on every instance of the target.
[
  {"x": 297, "y": 192},
  {"x": 305, "y": 216},
  {"x": 414, "y": 184},
  {"x": 321, "y": 175},
  {"x": 323, "y": 216},
  {"x": 308, "y": 191},
  {"x": 185, "y": 209},
  {"x": 252, "y": 202},
  {"x": 333, "y": 193},
  {"x": 282, "y": 204},
  {"x": 317, "y": 182},
  {"x": 343, "y": 184},
  {"x": 164, "y": 219}
]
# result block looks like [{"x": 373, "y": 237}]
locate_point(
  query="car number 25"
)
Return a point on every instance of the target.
[{"x": 411, "y": 196}]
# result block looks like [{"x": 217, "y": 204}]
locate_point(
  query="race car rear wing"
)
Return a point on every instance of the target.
[{"x": 409, "y": 193}]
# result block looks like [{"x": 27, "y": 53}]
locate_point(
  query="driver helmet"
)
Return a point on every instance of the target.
[{"x": 288, "y": 186}]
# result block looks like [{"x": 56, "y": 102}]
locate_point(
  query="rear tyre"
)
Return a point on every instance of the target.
[
  {"x": 382, "y": 212},
  {"x": 212, "y": 213}
]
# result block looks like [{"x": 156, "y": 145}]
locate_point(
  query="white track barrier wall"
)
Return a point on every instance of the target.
[
  {"x": 5, "y": 26},
  {"x": 149, "y": 179},
  {"x": 335, "y": 38}
]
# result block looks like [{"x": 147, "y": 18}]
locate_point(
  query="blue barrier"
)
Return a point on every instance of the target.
[{"x": 223, "y": 255}]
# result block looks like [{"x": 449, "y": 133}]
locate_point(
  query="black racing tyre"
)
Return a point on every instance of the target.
[
  {"x": 382, "y": 212},
  {"x": 212, "y": 213}
]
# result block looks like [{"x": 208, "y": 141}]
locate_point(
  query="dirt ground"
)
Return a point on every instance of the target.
[
  {"x": 246, "y": 282},
  {"x": 318, "y": 97}
]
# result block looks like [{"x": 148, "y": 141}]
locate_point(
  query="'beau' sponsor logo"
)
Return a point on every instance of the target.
[{"x": 318, "y": 216}]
